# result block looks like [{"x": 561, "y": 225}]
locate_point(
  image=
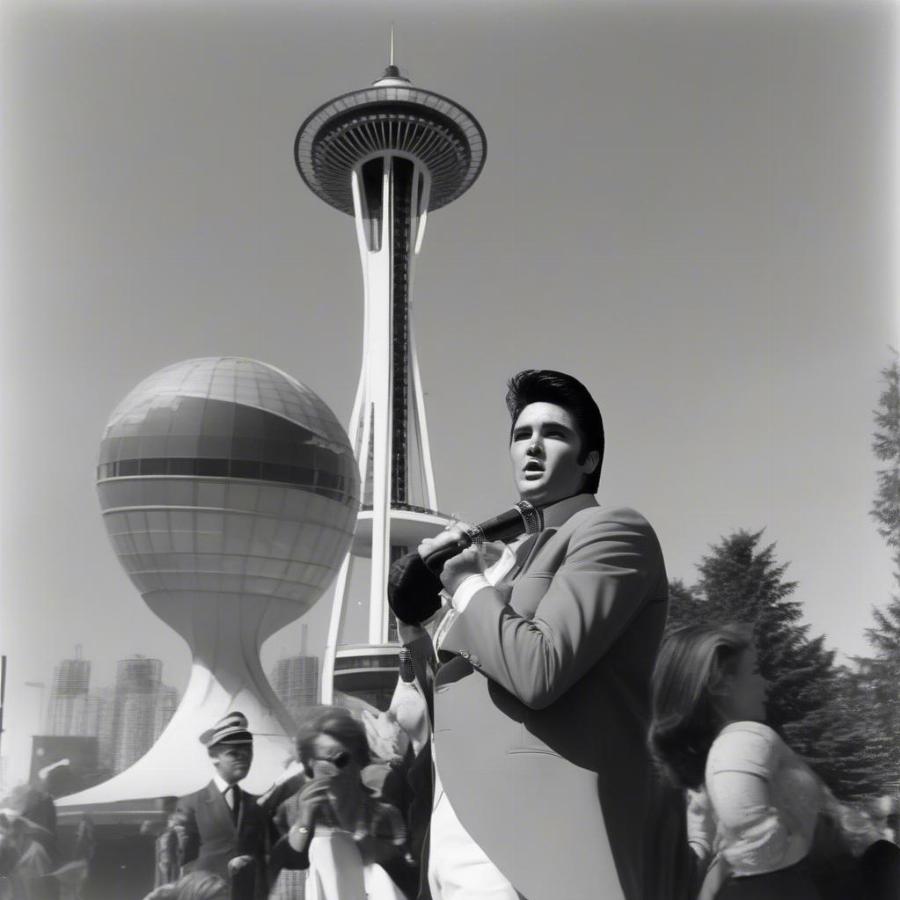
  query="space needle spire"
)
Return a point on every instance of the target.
[{"x": 387, "y": 155}]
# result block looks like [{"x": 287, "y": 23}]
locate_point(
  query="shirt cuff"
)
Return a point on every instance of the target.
[{"x": 467, "y": 590}]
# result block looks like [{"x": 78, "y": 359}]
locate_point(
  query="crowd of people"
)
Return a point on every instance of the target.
[
  {"x": 547, "y": 737},
  {"x": 32, "y": 864}
]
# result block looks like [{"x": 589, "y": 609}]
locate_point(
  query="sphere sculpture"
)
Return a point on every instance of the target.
[{"x": 229, "y": 491}]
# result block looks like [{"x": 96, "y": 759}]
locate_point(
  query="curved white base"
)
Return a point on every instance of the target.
[{"x": 178, "y": 763}]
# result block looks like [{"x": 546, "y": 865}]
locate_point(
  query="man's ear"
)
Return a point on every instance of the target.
[{"x": 591, "y": 461}]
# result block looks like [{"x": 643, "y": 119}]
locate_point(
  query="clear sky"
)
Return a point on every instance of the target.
[{"x": 688, "y": 206}]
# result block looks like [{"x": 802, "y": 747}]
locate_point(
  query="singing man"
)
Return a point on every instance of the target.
[{"x": 543, "y": 785}]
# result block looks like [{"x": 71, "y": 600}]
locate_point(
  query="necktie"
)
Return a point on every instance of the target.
[{"x": 235, "y": 803}]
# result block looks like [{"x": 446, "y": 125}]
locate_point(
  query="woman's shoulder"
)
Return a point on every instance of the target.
[{"x": 750, "y": 747}]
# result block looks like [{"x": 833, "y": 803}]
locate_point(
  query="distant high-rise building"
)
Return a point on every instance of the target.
[
  {"x": 296, "y": 680},
  {"x": 67, "y": 712},
  {"x": 125, "y": 719},
  {"x": 142, "y": 707}
]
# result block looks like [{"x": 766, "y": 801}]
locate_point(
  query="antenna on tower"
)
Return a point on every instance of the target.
[{"x": 392, "y": 44}]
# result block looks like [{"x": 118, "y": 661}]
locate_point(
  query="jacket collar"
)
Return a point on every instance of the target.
[{"x": 558, "y": 513}]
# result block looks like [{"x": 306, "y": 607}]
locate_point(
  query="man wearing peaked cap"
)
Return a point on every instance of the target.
[{"x": 226, "y": 832}]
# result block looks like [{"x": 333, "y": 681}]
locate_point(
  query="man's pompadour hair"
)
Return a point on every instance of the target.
[{"x": 548, "y": 386}]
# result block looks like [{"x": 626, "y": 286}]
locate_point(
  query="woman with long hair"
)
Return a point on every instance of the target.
[
  {"x": 762, "y": 801},
  {"x": 335, "y": 824}
]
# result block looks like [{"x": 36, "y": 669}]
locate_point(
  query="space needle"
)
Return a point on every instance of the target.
[{"x": 387, "y": 155}]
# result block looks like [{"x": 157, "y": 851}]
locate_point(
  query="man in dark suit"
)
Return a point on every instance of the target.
[
  {"x": 225, "y": 831},
  {"x": 544, "y": 787}
]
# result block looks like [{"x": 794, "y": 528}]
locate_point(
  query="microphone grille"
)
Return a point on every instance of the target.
[{"x": 531, "y": 516}]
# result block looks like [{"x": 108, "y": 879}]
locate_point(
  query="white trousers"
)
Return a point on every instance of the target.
[{"x": 458, "y": 868}]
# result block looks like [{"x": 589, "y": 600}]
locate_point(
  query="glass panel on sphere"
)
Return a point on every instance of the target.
[
  {"x": 210, "y": 523},
  {"x": 285, "y": 537},
  {"x": 109, "y": 449},
  {"x": 206, "y": 542},
  {"x": 263, "y": 586},
  {"x": 271, "y": 500},
  {"x": 153, "y": 466},
  {"x": 247, "y": 448},
  {"x": 181, "y": 520},
  {"x": 218, "y": 417},
  {"x": 158, "y": 420},
  {"x": 175, "y": 491},
  {"x": 248, "y": 422},
  {"x": 242, "y": 496},
  {"x": 137, "y": 522},
  {"x": 232, "y": 564},
  {"x": 212, "y": 468},
  {"x": 210, "y": 493},
  {"x": 157, "y": 520},
  {"x": 129, "y": 448},
  {"x": 183, "y": 541},
  {"x": 241, "y": 468},
  {"x": 186, "y": 416},
  {"x": 260, "y": 566},
  {"x": 180, "y": 466},
  {"x": 142, "y": 544},
  {"x": 214, "y": 447},
  {"x": 263, "y": 537}
]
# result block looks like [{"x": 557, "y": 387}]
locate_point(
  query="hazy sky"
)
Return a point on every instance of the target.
[{"x": 687, "y": 206}]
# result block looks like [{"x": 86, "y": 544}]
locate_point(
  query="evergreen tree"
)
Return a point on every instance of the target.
[
  {"x": 879, "y": 676},
  {"x": 886, "y": 445},
  {"x": 684, "y": 607},
  {"x": 743, "y": 582}
]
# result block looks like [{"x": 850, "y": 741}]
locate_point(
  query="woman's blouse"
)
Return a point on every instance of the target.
[{"x": 765, "y": 799}]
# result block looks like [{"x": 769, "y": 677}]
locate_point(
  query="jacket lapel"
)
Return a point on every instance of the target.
[
  {"x": 218, "y": 808},
  {"x": 528, "y": 550}
]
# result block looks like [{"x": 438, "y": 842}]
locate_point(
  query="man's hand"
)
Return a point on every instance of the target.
[
  {"x": 458, "y": 568},
  {"x": 236, "y": 863},
  {"x": 409, "y": 633}
]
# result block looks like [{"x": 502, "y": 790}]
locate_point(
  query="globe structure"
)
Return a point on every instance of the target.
[{"x": 229, "y": 492}]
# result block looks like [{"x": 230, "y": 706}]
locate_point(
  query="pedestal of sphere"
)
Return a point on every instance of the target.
[{"x": 229, "y": 492}]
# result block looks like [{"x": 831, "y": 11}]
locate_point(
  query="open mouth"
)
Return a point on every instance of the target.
[{"x": 532, "y": 469}]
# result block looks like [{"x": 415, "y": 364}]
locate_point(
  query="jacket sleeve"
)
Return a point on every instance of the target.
[
  {"x": 611, "y": 569},
  {"x": 190, "y": 844}
]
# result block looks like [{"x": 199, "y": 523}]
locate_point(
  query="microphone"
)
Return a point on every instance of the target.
[
  {"x": 523, "y": 518},
  {"x": 413, "y": 584}
]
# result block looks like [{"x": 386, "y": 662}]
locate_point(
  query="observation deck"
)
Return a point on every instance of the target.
[{"x": 391, "y": 116}]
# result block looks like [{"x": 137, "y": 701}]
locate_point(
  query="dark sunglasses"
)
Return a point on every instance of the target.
[{"x": 341, "y": 760}]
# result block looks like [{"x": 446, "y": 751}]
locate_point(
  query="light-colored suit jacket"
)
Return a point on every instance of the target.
[{"x": 540, "y": 719}]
